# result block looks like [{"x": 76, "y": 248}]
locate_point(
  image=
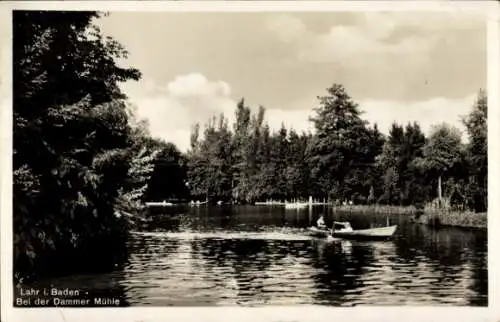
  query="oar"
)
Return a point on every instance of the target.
[{"x": 330, "y": 237}]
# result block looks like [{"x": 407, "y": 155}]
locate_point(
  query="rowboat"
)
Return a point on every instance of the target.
[{"x": 345, "y": 231}]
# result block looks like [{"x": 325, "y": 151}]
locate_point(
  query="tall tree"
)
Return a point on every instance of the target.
[
  {"x": 195, "y": 165},
  {"x": 240, "y": 148},
  {"x": 210, "y": 163},
  {"x": 441, "y": 153},
  {"x": 412, "y": 179},
  {"x": 223, "y": 159},
  {"x": 294, "y": 178},
  {"x": 254, "y": 153},
  {"x": 369, "y": 169},
  {"x": 396, "y": 164},
  {"x": 266, "y": 174},
  {"x": 340, "y": 132},
  {"x": 279, "y": 159},
  {"x": 477, "y": 150}
]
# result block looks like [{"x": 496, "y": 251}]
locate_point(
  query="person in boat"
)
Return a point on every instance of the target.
[{"x": 321, "y": 222}]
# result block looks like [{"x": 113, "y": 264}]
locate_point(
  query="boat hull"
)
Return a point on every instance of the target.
[
  {"x": 316, "y": 232},
  {"x": 296, "y": 205},
  {"x": 382, "y": 233}
]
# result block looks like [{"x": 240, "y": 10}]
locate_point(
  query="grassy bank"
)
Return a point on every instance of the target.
[
  {"x": 378, "y": 209},
  {"x": 435, "y": 217},
  {"x": 455, "y": 219}
]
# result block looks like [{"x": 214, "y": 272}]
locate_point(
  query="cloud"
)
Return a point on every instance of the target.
[
  {"x": 296, "y": 119},
  {"x": 172, "y": 109},
  {"x": 426, "y": 113},
  {"x": 287, "y": 28},
  {"x": 426, "y": 21},
  {"x": 385, "y": 112},
  {"x": 355, "y": 43},
  {"x": 197, "y": 85},
  {"x": 352, "y": 47},
  {"x": 393, "y": 56},
  {"x": 370, "y": 32}
]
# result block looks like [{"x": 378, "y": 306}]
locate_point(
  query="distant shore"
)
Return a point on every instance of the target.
[{"x": 433, "y": 217}]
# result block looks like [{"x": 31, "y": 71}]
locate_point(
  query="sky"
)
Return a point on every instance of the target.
[{"x": 398, "y": 66}]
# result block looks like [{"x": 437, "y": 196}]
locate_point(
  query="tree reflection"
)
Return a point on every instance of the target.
[
  {"x": 339, "y": 266},
  {"x": 248, "y": 259},
  {"x": 144, "y": 247},
  {"x": 479, "y": 261},
  {"x": 447, "y": 253},
  {"x": 444, "y": 246}
]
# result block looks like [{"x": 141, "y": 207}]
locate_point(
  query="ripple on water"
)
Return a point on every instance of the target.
[
  {"x": 222, "y": 235},
  {"x": 286, "y": 267}
]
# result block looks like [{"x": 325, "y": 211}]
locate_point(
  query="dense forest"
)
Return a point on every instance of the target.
[
  {"x": 83, "y": 162},
  {"x": 345, "y": 159}
]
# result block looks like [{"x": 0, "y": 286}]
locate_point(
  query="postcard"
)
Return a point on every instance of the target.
[{"x": 284, "y": 161}]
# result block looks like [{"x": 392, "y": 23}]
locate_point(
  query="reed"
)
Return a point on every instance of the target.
[
  {"x": 378, "y": 209},
  {"x": 426, "y": 216},
  {"x": 463, "y": 219}
]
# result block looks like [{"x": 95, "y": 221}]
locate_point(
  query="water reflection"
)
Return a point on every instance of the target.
[{"x": 258, "y": 256}]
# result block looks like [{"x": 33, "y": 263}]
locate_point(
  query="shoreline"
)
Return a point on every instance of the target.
[
  {"x": 431, "y": 217},
  {"x": 427, "y": 216}
]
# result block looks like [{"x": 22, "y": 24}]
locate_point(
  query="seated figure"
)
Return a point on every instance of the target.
[{"x": 321, "y": 222}]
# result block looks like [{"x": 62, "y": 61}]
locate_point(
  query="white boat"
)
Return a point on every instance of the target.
[
  {"x": 159, "y": 204},
  {"x": 197, "y": 203},
  {"x": 296, "y": 205},
  {"x": 344, "y": 230}
]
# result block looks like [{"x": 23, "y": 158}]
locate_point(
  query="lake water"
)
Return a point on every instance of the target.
[{"x": 263, "y": 256}]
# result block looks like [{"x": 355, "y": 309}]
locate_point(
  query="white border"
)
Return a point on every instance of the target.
[
  {"x": 493, "y": 159},
  {"x": 291, "y": 313}
]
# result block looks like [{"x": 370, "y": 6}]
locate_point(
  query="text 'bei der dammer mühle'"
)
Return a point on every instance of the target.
[{"x": 61, "y": 297}]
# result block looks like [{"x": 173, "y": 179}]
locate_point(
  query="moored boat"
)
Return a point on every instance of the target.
[
  {"x": 159, "y": 204},
  {"x": 296, "y": 205}
]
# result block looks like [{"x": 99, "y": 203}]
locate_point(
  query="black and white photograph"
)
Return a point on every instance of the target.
[{"x": 249, "y": 158}]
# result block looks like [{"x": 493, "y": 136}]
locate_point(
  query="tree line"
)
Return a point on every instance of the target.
[
  {"x": 83, "y": 164},
  {"x": 343, "y": 159}
]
